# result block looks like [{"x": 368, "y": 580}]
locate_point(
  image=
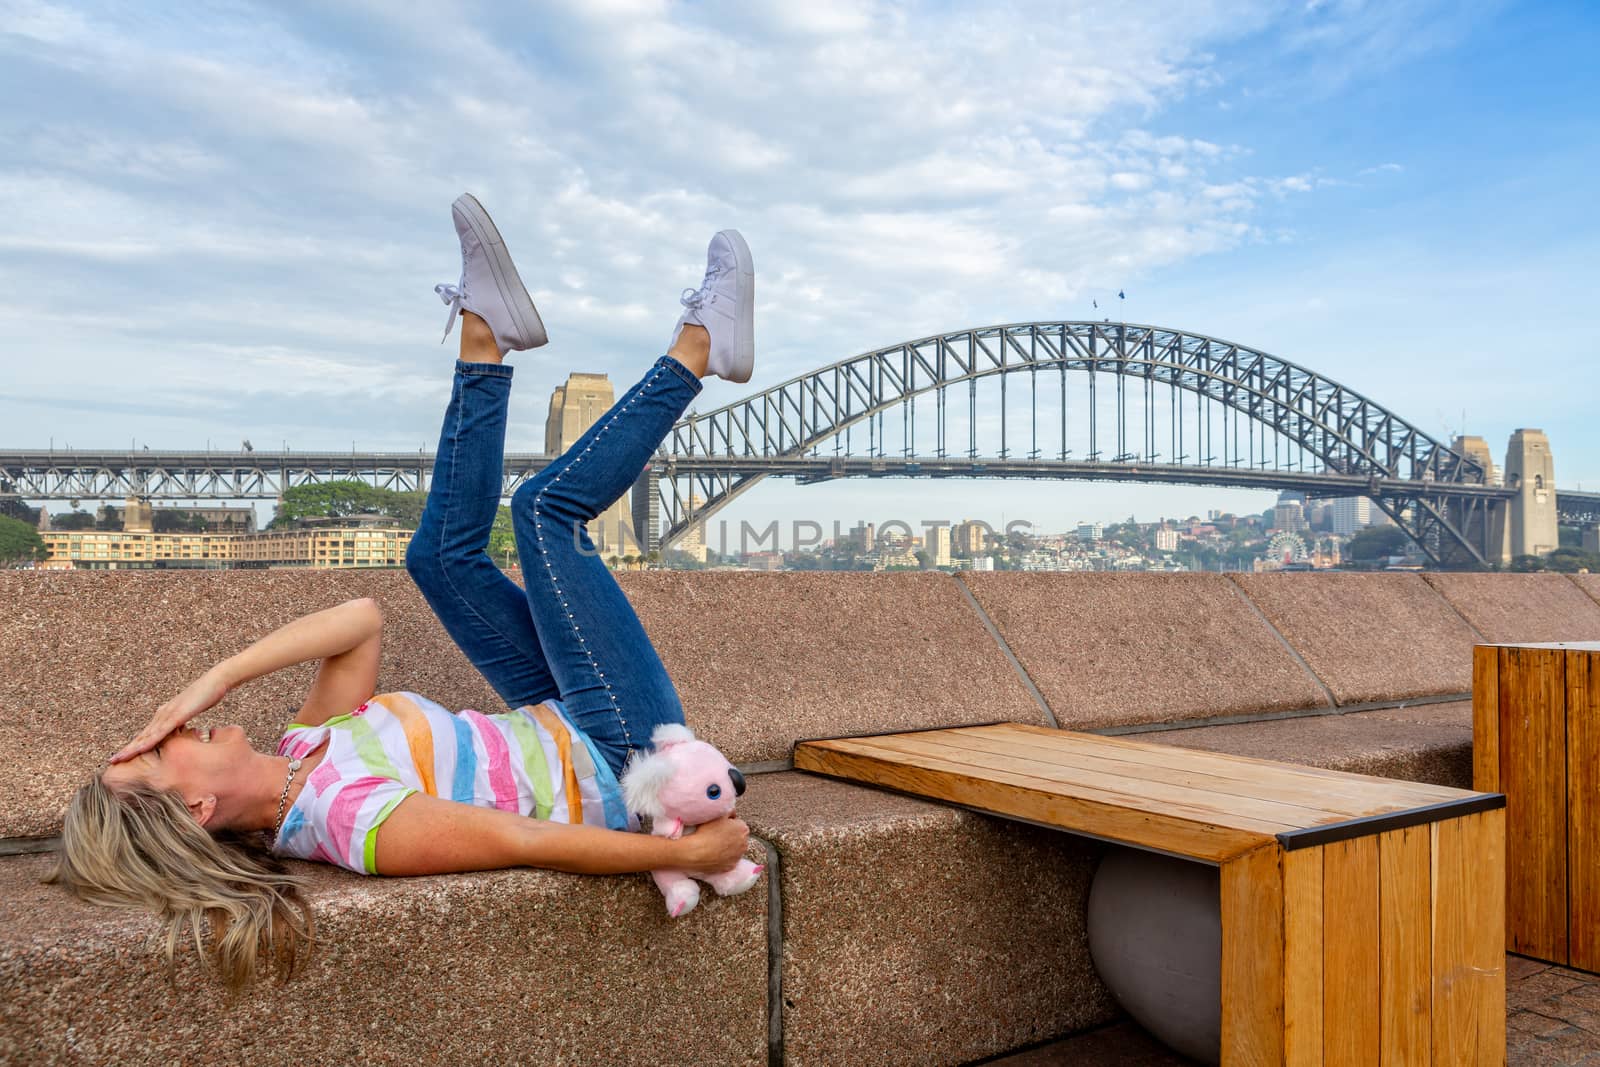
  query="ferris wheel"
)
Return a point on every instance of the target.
[{"x": 1286, "y": 546}]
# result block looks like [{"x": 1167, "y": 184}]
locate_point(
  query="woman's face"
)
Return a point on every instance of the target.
[{"x": 196, "y": 763}]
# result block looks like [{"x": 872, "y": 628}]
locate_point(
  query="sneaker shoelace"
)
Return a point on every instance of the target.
[
  {"x": 694, "y": 298},
  {"x": 451, "y": 295}
]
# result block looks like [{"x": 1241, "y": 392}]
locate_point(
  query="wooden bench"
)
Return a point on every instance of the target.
[
  {"x": 1361, "y": 917},
  {"x": 1536, "y": 738}
]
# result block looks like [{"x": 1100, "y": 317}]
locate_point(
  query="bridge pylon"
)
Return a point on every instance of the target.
[{"x": 1531, "y": 523}]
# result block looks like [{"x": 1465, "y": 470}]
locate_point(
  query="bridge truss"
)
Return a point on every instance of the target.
[
  {"x": 1060, "y": 401},
  {"x": 1139, "y": 396},
  {"x": 175, "y": 476}
]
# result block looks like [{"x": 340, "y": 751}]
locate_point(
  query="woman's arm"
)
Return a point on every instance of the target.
[
  {"x": 429, "y": 835},
  {"x": 347, "y": 638}
]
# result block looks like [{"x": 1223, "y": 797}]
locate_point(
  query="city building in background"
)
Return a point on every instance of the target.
[
  {"x": 1351, "y": 513},
  {"x": 102, "y": 550},
  {"x": 574, "y": 407},
  {"x": 217, "y": 518},
  {"x": 1289, "y": 513},
  {"x": 693, "y": 542},
  {"x": 939, "y": 542},
  {"x": 1476, "y": 448},
  {"x": 1091, "y": 531},
  {"x": 646, "y": 507},
  {"x": 346, "y": 541},
  {"x": 1166, "y": 539}
]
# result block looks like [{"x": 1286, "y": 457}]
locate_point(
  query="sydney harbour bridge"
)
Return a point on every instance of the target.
[{"x": 1044, "y": 401}]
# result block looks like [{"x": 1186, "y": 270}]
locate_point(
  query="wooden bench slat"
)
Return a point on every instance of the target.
[
  {"x": 1350, "y": 994},
  {"x": 1023, "y": 797},
  {"x": 1313, "y": 801},
  {"x": 1251, "y": 901},
  {"x": 1302, "y": 958},
  {"x": 1418, "y": 794},
  {"x": 1161, "y": 789},
  {"x": 1583, "y": 811},
  {"x": 1152, "y": 799},
  {"x": 1406, "y": 1026}
]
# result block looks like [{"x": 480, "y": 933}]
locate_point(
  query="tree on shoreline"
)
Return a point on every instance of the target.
[
  {"x": 344, "y": 498},
  {"x": 20, "y": 543}
]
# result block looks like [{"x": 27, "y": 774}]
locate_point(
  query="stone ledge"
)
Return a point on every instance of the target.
[
  {"x": 1337, "y": 622},
  {"x": 89, "y": 657},
  {"x": 764, "y": 660},
  {"x": 1121, "y": 649},
  {"x": 1420, "y": 743},
  {"x": 506, "y": 966},
  {"x": 1521, "y": 607}
]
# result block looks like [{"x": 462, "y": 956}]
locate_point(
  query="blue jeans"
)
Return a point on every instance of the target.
[{"x": 572, "y": 635}]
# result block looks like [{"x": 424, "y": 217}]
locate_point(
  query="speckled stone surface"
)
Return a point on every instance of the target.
[
  {"x": 1122, "y": 1044},
  {"x": 1521, "y": 607},
  {"x": 88, "y": 657},
  {"x": 1117, "y": 649},
  {"x": 502, "y": 967},
  {"x": 921, "y": 934},
  {"x": 1589, "y": 583},
  {"x": 764, "y": 660},
  {"x": 1368, "y": 637},
  {"x": 1422, "y": 743}
]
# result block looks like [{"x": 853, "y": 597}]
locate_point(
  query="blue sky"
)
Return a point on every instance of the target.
[{"x": 225, "y": 219}]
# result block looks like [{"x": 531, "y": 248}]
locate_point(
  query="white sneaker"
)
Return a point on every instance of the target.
[
  {"x": 725, "y": 304},
  {"x": 490, "y": 287}
]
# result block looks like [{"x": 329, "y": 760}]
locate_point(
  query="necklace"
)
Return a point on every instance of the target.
[{"x": 277, "y": 824}]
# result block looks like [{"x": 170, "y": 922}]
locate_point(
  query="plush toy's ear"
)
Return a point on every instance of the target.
[
  {"x": 670, "y": 733},
  {"x": 643, "y": 781}
]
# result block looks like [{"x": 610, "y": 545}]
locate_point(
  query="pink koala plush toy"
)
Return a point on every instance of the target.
[{"x": 680, "y": 785}]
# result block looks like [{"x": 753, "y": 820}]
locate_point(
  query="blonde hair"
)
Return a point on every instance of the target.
[{"x": 140, "y": 847}]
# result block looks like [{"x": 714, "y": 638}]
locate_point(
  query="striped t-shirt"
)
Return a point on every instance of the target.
[{"x": 533, "y": 761}]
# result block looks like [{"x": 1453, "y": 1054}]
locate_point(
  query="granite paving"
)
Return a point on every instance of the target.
[
  {"x": 1120, "y": 649},
  {"x": 1552, "y": 1020},
  {"x": 1369, "y": 637}
]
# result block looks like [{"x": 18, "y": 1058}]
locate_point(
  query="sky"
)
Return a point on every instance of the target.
[{"x": 225, "y": 220}]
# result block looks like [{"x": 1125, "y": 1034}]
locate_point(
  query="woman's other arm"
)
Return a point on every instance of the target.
[
  {"x": 428, "y": 835},
  {"x": 347, "y": 638}
]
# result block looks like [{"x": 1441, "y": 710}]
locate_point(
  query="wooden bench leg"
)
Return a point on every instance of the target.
[{"x": 1383, "y": 950}]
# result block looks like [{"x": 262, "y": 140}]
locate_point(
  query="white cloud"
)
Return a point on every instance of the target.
[{"x": 250, "y": 195}]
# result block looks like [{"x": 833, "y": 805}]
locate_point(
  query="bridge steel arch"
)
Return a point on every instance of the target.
[{"x": 1436, "y": 494}]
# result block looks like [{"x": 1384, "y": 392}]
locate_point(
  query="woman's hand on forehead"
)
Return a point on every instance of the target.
[{"x": 200, "y": 695}]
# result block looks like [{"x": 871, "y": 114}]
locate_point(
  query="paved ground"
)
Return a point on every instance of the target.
[
  {"x": 1552, "y": 1020},
  {"x": 1552, "y": 1015}
]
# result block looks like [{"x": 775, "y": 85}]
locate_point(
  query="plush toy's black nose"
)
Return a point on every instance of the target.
[{"x": 738, "y": 781}]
